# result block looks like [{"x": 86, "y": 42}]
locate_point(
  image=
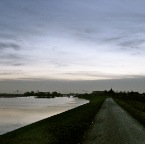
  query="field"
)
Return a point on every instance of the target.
[
  {"x": 135, "y": 108},
  {"x": 66, "y": 128}
]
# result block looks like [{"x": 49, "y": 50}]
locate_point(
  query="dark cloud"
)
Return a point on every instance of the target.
[
  {"x": 18, "y": 64},
  {"x": 9, "y": 45},
  {"x": 13, "y": 59},
  {"x": 131, "y": 44},
  {"x": 113, "y": 39}
]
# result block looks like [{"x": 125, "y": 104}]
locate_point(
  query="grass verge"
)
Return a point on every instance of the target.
[
  {"x": 134, "y": 111},
  {"x": 64, "y": 128}
]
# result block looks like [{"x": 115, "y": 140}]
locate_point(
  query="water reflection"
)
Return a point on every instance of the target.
[{"x": 18, "y": 112}]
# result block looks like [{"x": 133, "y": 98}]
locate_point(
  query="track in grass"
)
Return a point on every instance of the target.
[{"x": 113, "y": 125}]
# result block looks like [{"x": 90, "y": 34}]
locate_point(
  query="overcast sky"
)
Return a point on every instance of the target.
[{"x": 54, "y": 44}]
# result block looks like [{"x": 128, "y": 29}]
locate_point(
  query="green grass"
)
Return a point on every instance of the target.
[
  {"x": 136, "y": 109},
  {"x": 66, "y": 128}
]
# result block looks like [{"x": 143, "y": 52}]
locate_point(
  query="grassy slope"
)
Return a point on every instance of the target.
[
  {"x": 137, "y": 113},
  {"x": 65, "y": 128}
]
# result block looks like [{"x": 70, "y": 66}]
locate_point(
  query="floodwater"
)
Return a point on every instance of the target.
[{"x": 21, "y": 111}]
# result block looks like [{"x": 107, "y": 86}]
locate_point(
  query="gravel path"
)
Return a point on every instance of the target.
[{"x": 113, "y": 125}]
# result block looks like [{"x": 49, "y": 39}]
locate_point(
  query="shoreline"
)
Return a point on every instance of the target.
[
  {"x": 18, "y": 112},
  {"x": 67, "y": 127}
]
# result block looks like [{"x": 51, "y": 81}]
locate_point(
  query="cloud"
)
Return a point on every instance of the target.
[
  {"x": 9, "y": 45},
  {"x": 72, "y": 35},
  {"x": 12, "y": 59},
  {"x": 101, "y": 75},
  {"x": 131, "y": 44},
  {"x": 10, "y": 72},
  {"x": 59, "y": 64}
]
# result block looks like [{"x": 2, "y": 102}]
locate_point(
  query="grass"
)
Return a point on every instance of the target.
[
  {"x": 65, "y": 128},
  {"x": 136, "y": 109}
]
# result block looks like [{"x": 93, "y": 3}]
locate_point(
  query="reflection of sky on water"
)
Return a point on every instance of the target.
[{"x": 17, "y": 112}]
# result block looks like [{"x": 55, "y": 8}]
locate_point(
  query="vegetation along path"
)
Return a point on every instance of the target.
[{"x": 113, "y": 124}]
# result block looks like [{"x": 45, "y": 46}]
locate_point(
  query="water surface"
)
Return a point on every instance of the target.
[{"x": 21, "y": 111}]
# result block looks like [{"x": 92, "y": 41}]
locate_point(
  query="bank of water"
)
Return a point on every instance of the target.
[{"x": 21, "y": 111}]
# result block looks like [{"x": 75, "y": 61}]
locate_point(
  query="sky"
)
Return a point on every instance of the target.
[{"x": 72, "y": 45}]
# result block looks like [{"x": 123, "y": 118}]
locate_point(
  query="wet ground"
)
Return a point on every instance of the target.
[{"x": 113, "y": 125}]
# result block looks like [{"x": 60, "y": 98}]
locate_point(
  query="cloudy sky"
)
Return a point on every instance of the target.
[{"x": 72, "y": 45}]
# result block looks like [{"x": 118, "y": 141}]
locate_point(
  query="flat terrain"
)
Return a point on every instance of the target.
[
  {"x": 64, "y": 128},
  {"x": 113, "y": 125}
]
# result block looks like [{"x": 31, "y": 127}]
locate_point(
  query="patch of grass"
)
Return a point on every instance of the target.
[
  {"x": 133, "y": 109},
  {"x": 65, "y": 128}
]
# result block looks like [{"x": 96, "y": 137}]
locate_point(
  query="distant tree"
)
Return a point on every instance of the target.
[
  {"x": 111, "y": 92},
  {"x": 54, "y": 93},
  {"x": 32, "y": 93}
]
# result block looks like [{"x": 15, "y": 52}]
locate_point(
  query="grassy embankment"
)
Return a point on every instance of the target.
[
  {"x": 136, "y": 109},
  {"x": 65, "y": 128}
]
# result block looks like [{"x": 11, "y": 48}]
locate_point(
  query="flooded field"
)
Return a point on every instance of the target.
[{"x": 21, "y": 111}]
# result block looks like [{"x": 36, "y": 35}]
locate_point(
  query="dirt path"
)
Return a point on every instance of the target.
[{"x": 113, "y": 125}]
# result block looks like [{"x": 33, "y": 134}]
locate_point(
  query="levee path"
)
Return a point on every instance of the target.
[{"x": 113, "y": 125}]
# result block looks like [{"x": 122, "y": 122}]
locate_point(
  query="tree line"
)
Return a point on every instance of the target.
[
  {"x": 43, "y": 94},
  {"x": 132, "y": 96}
]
